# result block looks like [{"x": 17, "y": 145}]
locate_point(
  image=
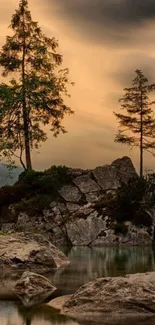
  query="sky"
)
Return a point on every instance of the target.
[{"x": 102, "y": 42}]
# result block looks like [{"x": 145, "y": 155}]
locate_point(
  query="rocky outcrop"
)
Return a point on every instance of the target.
[
  {"x": 132, "y": 294},
  {"x": 78, "y": 215},
  {"x": 33, "y": 289},
  {"x": 21, "y": 252}
]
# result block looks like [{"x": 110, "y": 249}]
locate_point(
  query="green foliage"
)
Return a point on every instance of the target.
[
  {"x": 137, "y": 126},
  {"x": 11, "y": 194},
  {"x": 120, "y": 228},
  {"x": 3, "y": 233},
  {"x": 34, "y": 96},
  {"x": 48, "y": 181},
  {"x": 131, "y": 203},
  {"x": 150, "y": 194},
  {"x": 34, "y": 190},
  {"x": 34, "y": 205}
]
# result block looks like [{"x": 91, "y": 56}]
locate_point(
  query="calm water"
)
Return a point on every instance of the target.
[{"x": 86, "y": 264}]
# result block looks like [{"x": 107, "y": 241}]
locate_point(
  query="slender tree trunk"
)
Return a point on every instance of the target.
[
  {"x": 141, "y": 137},
  {"x": 25, "y": 112}
]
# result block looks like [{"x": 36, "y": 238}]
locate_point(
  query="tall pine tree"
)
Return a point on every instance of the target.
[
  {"x": 137, "y": 126},
  {"x": 34, "y": 96}
]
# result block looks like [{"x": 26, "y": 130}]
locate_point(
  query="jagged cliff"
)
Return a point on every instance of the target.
[{"x": 77, "y": 212}]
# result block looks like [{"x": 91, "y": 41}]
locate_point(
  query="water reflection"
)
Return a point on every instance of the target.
[
  {"x": 86, "y": 264},
  {"x": 90, "y": 263},
  {"x": 14, "y": 314}
]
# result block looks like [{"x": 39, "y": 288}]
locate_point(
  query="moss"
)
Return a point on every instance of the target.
[{"x": 3, "y": 233}]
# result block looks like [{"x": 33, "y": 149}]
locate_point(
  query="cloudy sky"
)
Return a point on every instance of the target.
[{"x": 103, "y": 42}]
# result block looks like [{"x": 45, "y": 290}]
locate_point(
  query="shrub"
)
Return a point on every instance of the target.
[
  {"x": 34, "y": 205},
  {"x": 120, "y": 228},
  {"x": 131, "y": 203},
  {"x": 11, "y": 194}
]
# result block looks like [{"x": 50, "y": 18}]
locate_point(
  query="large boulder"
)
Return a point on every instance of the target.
[
  {"x": 106, "y": 176},
  {"x": 132, "y": 294},
  {"x": 125, "y": 169},
  {"x": 86, "y": 184},
  {"x": 110, "y": 177},
  {"x": 83, "y": 232},
  {"x": 33, "y": 289},
  {"x": 30, "y": 251},
  {"x": 70, "y": 193}
]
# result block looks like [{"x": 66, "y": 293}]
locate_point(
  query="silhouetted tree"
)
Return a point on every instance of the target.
[
  {"x": 34, "y": 96},
  {"x": 137, "y": 126}
]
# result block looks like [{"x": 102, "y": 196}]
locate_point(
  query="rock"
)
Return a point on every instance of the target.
[
  {"x": 7, "y": 227},
  {"x": 106, "y": 237},
  {"x": 106, "y": 176},
  {"x": 70, "y": 193},
  {"x": 92, "y": 197},
  {"x": 72, "y": 207},
  {"x": 132, "y": 294},
  {"x": 62, "y": 207},
  {"x": 82, "y": 232},
  {"x": 33, "y": 289},
  {"x": 135, "y": 236},
  {"x": 33, "y": 251},
  {"x": 86, "y": 184},
  {"x": 59, "y": 302},
  {"x": 125, "y": 169},
  {"x": 74, "y": 172}
]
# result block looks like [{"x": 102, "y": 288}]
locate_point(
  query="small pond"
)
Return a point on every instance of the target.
[{"x": 86, "y": 264}]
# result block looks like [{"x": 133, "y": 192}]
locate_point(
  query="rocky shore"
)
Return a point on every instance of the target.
[{"x": 78, "y": 215}]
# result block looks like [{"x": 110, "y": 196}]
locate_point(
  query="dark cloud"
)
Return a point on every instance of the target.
[
  {"x": 113, "y": 11},
  {"x": 127, "y": 65},
  {"x": 104, "y": 19}
]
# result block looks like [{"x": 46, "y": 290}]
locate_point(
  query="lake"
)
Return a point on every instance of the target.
[{"x": 86, "y": 264}]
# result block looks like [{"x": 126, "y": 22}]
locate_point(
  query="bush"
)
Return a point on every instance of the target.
[
  {"x": 49, "y": 181},
  {"x": 11, "y": 194},
  {"x": 131, "y": 204},
  {"x": 35, "y": 188},
  {"x": 120, "y": 228},
  {"x": 34, "y": 205}
]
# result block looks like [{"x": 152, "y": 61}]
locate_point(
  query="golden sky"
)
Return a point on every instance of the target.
[{"x": 103, "y": 42}]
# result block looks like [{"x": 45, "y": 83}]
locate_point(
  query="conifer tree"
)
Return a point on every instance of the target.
[
  {"x": 34, "y": 95},
  {"x": 137, "y": 126}
]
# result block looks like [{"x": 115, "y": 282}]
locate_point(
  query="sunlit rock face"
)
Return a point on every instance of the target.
[
  {"x": 33, "y": 289},
  {"x": 31, "y": 251},
  {"x": 115, "y": 296},
  {"x": 78, "y": 216}
]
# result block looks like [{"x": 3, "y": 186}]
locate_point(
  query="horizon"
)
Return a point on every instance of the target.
[{"x": 102, "y": 46}]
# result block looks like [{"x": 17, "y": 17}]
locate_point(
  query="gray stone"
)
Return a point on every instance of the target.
[
  {"x": 52, "y": 204},
  {"x": 62, "y": 207},
  {"x": 83, "y": 232},
  {"x": 86, "y": 184},
  {"x": 74, "y": 172},
  {"x": 125, "y": 169},
  {"x": 33, "y": 289},
  {"x": 84, "y": 211},
  {"x": 135, "y": 236},
  {"x": 70, "y": 193},
  {"x": 106, "y": 177},
  {"x": 7, "y": 227},
  {"x": 92, "y": 197},
  {"x": 114, "y": 296},
  {"x": 106, "y": 237},
  {"x": 72, "y": 207}
]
